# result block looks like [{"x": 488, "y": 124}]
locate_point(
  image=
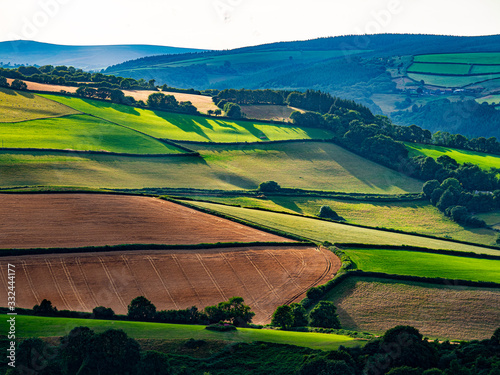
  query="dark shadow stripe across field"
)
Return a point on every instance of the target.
[{"x": 183, "y": 127}]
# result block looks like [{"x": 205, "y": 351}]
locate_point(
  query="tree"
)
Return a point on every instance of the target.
[
  {"x": 283, "y": 317},
  {"x": 269, "y": 187},
  {"x": 17, "y": 84},
  {"x": 210, "y": 112},
  {"x": 45, "y": 308},
  {"x": 459, "y": 214},
  {"x": 3, "y": 82},
  {"x": 75, "y": 350},
  {"x": 113, "y": 352},
  {"x": 232, "y": 110},
  {"x": 141, "y": 309},
  {"x": 324, "y": 314},
  {"x": 404, "y": 370},
  {"x": 429, "y": 187},
  {"x": 154, "y": 363},
  {"x": 234, "y": 311},
  {"x": 217, "y": 112},
  {"x": 101, "y": 312},
  {"x": 299, "y": 315},
  {"x": 159, "y": 100}
]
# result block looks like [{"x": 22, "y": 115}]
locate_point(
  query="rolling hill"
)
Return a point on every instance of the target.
[{"x": 83, "y": 57}]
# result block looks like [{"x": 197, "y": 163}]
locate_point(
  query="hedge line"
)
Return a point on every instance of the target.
[
  {"x": 466, "y": 254},
  {"x": 359, "y": 225},
  {"x": 139, "y": 247}
]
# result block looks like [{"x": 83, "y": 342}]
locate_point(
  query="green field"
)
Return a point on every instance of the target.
[
  {"x": 465, "y": 58},
  {"x": 484, "y": 69},
  {"x": 451, "y": 81},
  {"x": 22, "y": 106},
  {"x": 80, "y": 132},
  {"x": 182, "y": 127},
  {"x": 437, "y": 311},
  {"x": 459, "y": 69},
  {"x": 491, "y": 218},
  {"x": 302, "y": 165},
  {"x": 490, "y": 99},
  {"x": 417, "y": 216},
  {"x": 33, "y": 326},
  {"x": 319, "y": 230},
  {"x": 483, "y": 160},
  {"x": 421, "y": 264}
]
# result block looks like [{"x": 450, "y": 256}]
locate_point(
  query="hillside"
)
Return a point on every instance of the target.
[{"x": 84, "y": 57}]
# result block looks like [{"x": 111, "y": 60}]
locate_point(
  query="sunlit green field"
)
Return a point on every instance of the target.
[
  {"x": 416, "y": 216},
  {"x": 319, "y": 230},
  {"x": 182, "y": 127},
  {"x": 320, "y": 166},
  {"x": 79, "y": 132},
  {"x": 421, "y": 264},
  {"x": 22, "y": 106},
  {"x": 466, "y": 58},
  {"x": 439, "y": 68},
  {"x": 451, "y": 81},
  {"x": 31, "y": 326},
  {"x": 483, "y": 160}
]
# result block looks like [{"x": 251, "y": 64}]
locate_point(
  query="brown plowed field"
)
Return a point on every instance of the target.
[
  {"x": 75, "y": 220},
  {"x": 265, "y": 277}
]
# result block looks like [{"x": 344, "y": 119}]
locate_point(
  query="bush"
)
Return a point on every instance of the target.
[
  {"x": 269, "y": 187},
  {"x": 324, "y": 314},
  {"x": 17, "y": 84},
  {"x": 221, "y": 327},
  {"x": 327, "y": 213},
  {"x": 194, "y": 344},
  {"x": 101, "y": 312}
]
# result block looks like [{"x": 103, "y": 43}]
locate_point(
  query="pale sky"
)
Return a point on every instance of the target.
[{"x": 225, "y": 24}]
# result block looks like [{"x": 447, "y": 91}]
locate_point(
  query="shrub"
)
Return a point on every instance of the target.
[
  {"x": 101, "y": 312},
  {"x": 269, "y": 187},
  {"x": 221, "y": 327},
  {"x": 193, "y": 344},
  {"x": 324, "y": 314},
  {"x": 327, "y": 213}
]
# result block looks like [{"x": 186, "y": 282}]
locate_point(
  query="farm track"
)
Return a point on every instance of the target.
[{"x": 172, "y": 279}]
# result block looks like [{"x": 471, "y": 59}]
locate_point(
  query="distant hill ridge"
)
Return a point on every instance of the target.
[{"x": 84, "y": 57}]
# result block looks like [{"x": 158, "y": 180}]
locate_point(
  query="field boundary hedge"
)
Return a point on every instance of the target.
[
  {"x": 253, "y": 142},
  {"x": 90, "y": 152},
  {"x": 363, "y": 226},
  {"x": 465, "y": 254},
  {"x": 147, "y": 247}
]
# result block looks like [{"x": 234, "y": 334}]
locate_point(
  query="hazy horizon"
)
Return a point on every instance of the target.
[{"x": 228, "y": 24}]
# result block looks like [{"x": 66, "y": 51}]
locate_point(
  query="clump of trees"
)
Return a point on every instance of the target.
[
  {"x": 323, "y": 315},
  {"x": 269, "y": 187}
]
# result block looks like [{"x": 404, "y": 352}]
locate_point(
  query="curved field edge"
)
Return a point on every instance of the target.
[
  {"x": 430, "y": 265},
  {"x": 437, "y": 311},
  {"x": 81, "y": 133},
  {"x": 21, "y": 106},
  {"x": 304, "y": 165},
  {"x": 483, "y": 160},
  {"x": 31, "y": 326},
  {"x": 182, "y": 127},
  {"x": 322, "y": 230},
  {"x": 409, "y": 216}
]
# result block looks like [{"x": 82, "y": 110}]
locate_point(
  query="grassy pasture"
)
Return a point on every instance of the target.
[
  {"x": 320, "y": 230},
  {"x": 485, "y": 69},
  {"x": 490, "y": 99},
  {"x": 302, "y": 165},
  {"x": 465, "y": 58},
  {"x": 421, "y": 264},
  {"x": 437, "y": 311},
  {"x": 459, "y": 69},
  {"x": 182, "y": 127},
  {"x": 491, "y": 218},
  {"x": 31, "y": 326},
  {"x": 80, "y": 132},
  {"x": 269, "y": 112},
  {"x": 451, "y": 81},
  {"x": 483, "y": 160},
  {"x": 22, "y": 106},
  {"x": 419, "y": 216}
]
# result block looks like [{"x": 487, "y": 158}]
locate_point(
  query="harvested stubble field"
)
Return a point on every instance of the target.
[
  {"x": 265, "y": 277},
  {"x": 451, "y": 312},
  {"x": 46, "y": 86},
  {"x": 77, "y": 220}
]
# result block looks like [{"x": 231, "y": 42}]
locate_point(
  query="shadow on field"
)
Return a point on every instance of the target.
[{"x": 286, "y": 203}]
